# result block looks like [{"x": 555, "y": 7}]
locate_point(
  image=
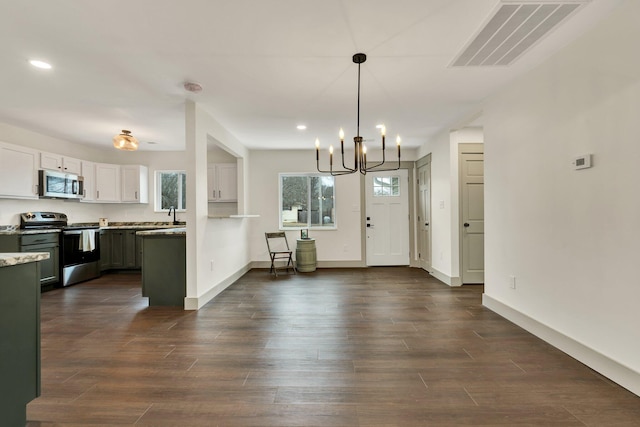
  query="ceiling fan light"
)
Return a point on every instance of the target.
[{"x": 125, "y": 141}]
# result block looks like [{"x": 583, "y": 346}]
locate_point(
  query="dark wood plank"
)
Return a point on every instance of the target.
[{"x": 343, "y": 347}]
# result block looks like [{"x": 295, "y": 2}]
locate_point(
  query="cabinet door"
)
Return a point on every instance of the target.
[
  {"x": 212, "y": 189},
  {"x": 60, "y": 163},
  {"x": 134, "y": 183},
  {"x": 117, "y": 246},
  {"x": 88, "y": 172},
  {"x": 49, "y": 268},
  {"x": 130, "y": 249},
  {"x": 50, "y": 161},
  {"x": 227, "y": 177},
  {"x": 107, "y": 182},
  {"x": 18, "y": 172},
  {"x": 71, "y": 165},
  {"x": 105, "y": 250}
]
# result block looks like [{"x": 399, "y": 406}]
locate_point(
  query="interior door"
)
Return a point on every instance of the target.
[
  {"x": 472, "y": 217},
  {"x": 387, "y": 215},
  {"x": 424, "y": 216}
]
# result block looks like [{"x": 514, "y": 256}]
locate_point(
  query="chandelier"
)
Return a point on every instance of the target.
[
  {"x": 360, "y": 150},
  {"x": 125, "y": 141}
]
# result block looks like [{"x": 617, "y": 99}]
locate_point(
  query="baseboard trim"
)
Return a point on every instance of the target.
[
  {"x": 320, "y": 264},
  {"x": 615, "y": 371},
  {"x": 447, "y": 280},
  {"x": 199, "y": 302}
]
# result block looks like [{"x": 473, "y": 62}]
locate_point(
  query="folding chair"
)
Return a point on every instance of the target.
[{"x": 279, "y": 250}]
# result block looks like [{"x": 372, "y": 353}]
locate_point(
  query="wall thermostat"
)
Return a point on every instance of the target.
[{"x": 582, "y": 162}]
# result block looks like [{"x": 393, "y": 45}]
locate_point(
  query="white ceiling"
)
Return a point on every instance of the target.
[{"x": 265, "y": 65}]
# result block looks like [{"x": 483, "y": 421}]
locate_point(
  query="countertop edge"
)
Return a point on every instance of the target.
[{"x": 8, "y": 259}]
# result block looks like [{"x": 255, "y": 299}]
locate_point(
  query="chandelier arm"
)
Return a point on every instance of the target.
[
  {"x": 342, "y": 155},
  {"x": 333, "y": 172},
  {"x": 377, "y": 168}
]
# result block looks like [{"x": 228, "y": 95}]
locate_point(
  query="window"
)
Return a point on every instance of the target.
[
  {"x": 171, "y": 190},
  {"x": 386, "y": 186},
  {"x": 307, "y": 201}
]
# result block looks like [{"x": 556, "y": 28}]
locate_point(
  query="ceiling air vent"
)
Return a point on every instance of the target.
[{"x": 515, "y": 27}]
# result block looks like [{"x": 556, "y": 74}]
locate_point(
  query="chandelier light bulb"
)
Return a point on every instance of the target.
[
  {"x": 331, "y": 149},
  {"x": 317, "y": 143},
  {"x": 383, "y": 130},
  {"x": 398, "y": 140},
  {"x": 341, "y": 134}
]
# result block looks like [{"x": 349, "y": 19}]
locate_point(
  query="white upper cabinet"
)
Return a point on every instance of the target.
[
  {"x": 60, "y": 163},
  {"x": 222, "y": 182},
  {"x": 107, "y": 183},
  {"x": 18, "y": 172},
  {"x": 88, "y": 170},
  {"x": 135, "y": 183}
]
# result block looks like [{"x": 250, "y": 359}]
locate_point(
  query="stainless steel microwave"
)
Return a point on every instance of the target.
[{"x": 59, "y": 185}]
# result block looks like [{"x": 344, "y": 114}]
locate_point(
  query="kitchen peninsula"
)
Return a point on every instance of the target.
[
  {"x": 19, "y": 333},
  {"x": 164, "y": 266}
]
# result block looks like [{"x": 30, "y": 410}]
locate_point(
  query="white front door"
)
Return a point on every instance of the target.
[
  {"x": 472, "y": 217},
  {"x": 387, "y": 225}
]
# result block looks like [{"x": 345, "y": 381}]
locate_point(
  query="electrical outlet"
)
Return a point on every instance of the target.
[{"x": 512, "y": 282}]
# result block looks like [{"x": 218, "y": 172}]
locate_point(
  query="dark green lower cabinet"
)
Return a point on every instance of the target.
[
  {"x": 119, "y": 250},
  {"x": 164, "y": 269},
  {"x": 19, "y": 341},
  {"x": 41, "y": 242}
]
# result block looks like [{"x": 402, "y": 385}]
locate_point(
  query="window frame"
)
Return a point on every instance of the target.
[
  {"x": 157, "y": 206},
  {"x": 308, "y": 225}
]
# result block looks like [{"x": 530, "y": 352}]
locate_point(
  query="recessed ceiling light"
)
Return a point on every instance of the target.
[
  {"x": 301, "y": 127},
  {"x": 40, "y": 64}
]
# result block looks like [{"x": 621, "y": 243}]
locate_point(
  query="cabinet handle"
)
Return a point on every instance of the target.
[
  {"x": 136, "y": 195},
  {"x": 98, "y": 194},
  {"x": 219, "y": 194}
]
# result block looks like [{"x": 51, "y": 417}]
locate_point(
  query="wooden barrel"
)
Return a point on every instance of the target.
[{"x": 306, "y": 255}]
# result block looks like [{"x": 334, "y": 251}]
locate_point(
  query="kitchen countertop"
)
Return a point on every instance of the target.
[
  {"x": 140, "y": 226},
  {"x": 8, "y": 259},
  {"x": 19, "y": 231},
  {"x": 111, "y": 226},
  {"x": 180, "y": 231}
]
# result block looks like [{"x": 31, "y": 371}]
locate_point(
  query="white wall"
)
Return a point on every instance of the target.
[
  {"x": 571, "y": 238},
  {"x": 217, "y": 249},
  {"x": 341, "y": 244}
]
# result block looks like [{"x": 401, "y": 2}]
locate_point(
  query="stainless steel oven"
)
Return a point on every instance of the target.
[
  {"x": 80, "y": 254},
  {"x": 79, "y": 245}
]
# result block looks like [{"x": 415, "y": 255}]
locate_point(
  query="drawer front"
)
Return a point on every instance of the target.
[{"x": 36, "y": 239}]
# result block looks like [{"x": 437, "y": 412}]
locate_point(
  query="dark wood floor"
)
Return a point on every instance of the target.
[{"x": 361, "y": 347}]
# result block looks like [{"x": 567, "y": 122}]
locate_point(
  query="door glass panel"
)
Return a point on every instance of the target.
[{"x": 386, "y": 186}]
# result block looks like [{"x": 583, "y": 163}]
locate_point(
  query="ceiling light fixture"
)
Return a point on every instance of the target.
[
  {"x": 193, "y": 87},
  {"x": 125, "y": 141},
  {"x": 40, "y": 64},
  {"x": 360, "y": 150},
  {"x": 301, "y": 127}
]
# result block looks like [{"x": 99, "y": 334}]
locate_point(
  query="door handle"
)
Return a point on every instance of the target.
[
  {"x": 426, "y": 224},
  {"x": 466, "y": 224}
]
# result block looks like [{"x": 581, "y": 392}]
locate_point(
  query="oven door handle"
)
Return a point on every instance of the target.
[{"x": 69, "y": 232}]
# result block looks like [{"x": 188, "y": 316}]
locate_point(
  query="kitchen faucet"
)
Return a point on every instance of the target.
[{"x": 175, "y": 222}]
